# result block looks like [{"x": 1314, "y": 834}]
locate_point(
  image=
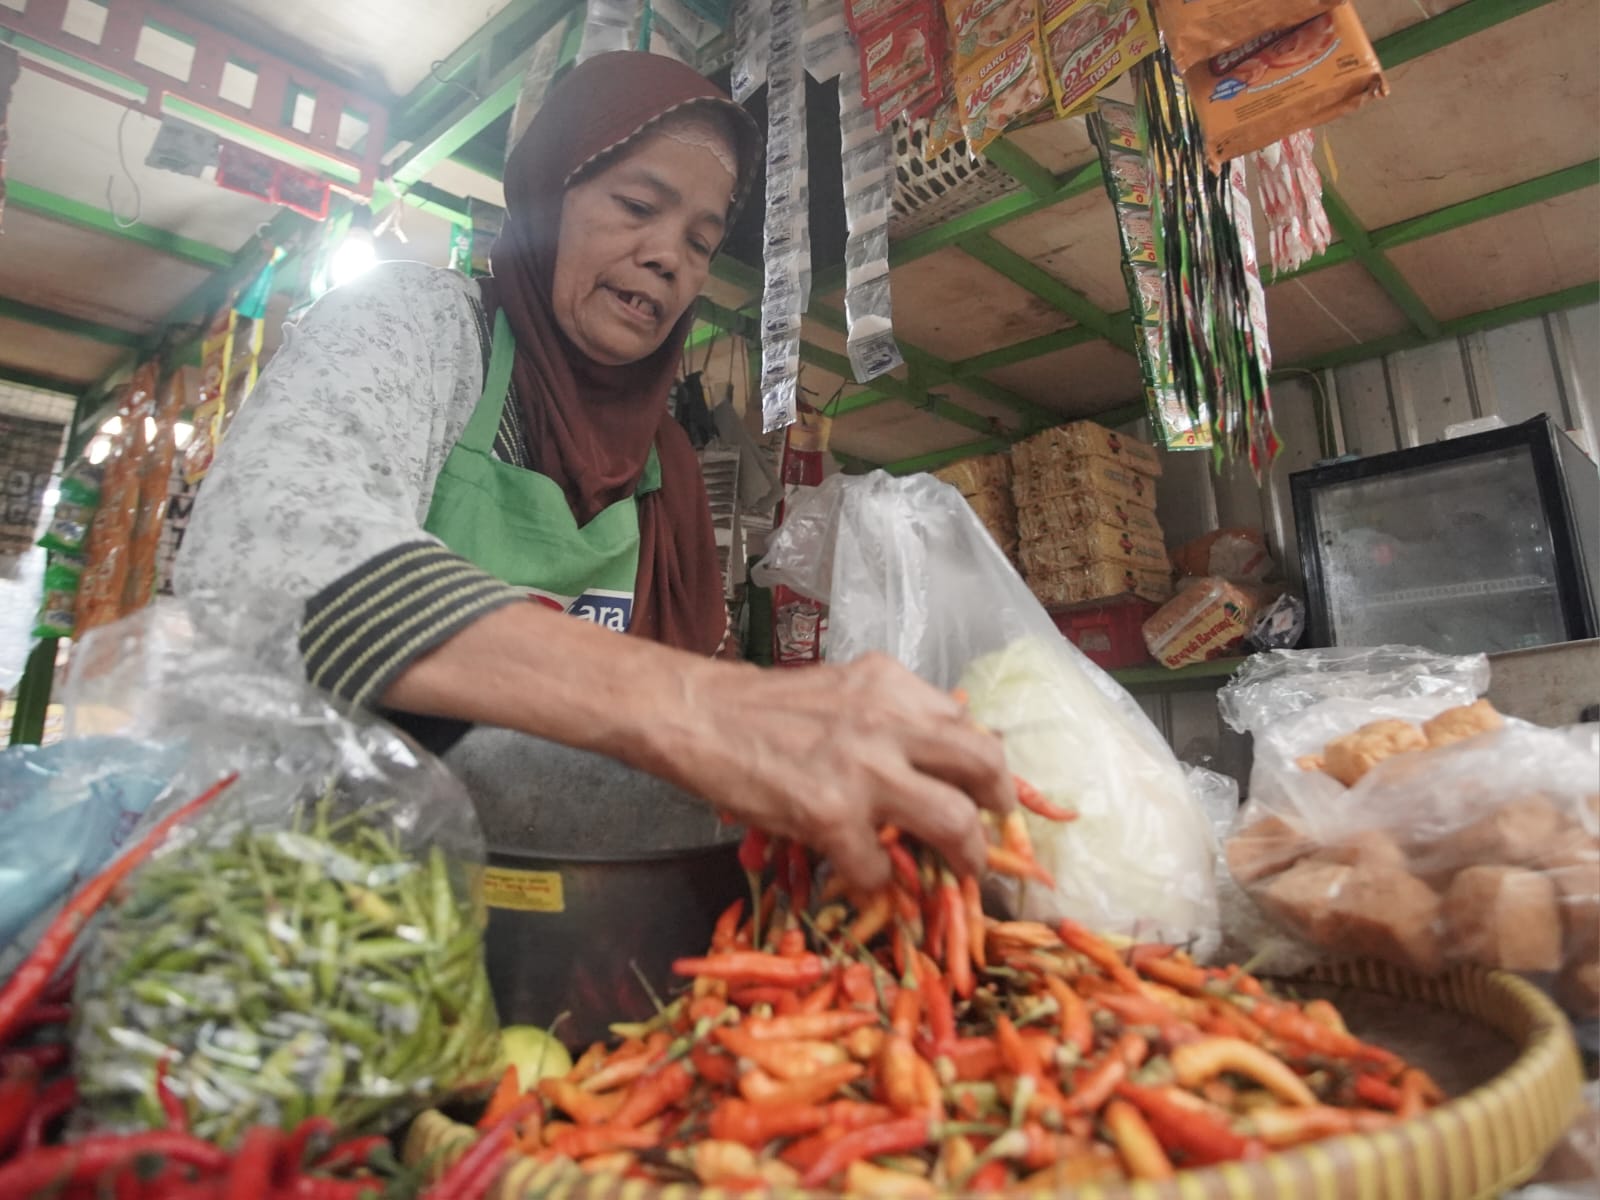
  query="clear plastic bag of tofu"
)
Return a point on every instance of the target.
[
  {"x": 1395, "y": 814},
  {"x": 908, "y": 570}
]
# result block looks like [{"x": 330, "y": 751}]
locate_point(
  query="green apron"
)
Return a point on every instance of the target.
[{"x": 517, "y": 525}]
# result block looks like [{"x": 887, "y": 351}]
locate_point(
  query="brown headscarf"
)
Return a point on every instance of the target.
[{"x": 590, "y": 426}]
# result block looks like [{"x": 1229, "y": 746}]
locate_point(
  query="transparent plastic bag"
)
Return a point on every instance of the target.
[
  {"x": 65, "y": 811},
  {"x": 311, "y": 943},
  {"x": 907, "y": 569},
  {"x": 1403, "y": 820}
]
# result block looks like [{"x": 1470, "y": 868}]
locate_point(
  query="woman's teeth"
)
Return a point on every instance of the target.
[{"x": 640, "y": 304}]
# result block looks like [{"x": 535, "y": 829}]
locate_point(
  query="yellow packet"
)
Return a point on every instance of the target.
[
  {"x": 1090, "y": 44},
  {"x": 1001, "y": 88}
]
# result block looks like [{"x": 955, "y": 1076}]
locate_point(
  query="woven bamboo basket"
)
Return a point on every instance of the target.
[{"x": 1473, "y": 1147}]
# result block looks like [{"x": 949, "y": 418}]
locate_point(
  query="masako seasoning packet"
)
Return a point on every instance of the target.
[
  {"x": 999, "y": 88},
  {"x": 1091, "y": 43}
]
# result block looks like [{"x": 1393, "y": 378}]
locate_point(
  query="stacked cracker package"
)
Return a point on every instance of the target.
[
  {"x": 985, "y": 482},
  {"x": 1086, "y": 518}
]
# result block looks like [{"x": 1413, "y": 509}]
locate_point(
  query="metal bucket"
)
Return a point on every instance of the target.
[{"x": 596, "y": 875}]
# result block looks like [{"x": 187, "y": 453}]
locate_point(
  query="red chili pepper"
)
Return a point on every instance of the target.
[
  {"x": 822, "y": 998},
  {"x": 755, "y": 1125},
  {"x": 719, "y": 1070},
  {"x": 43, "y": 1057},
  {"x": 905, "y": 868},
  {"x": 599, "y": 1139},
  {"x": 974, "y": 1059},
  {"x": 760, "y": 1088},
  {"x": 60, "y": 989},
  {"x": 471, "y": 1174},
  {"x": 753, "y": 851},
  {"x": 52, "y": 1103},
  {"x": 893, "y": 1137},
  {"x": 1018, "y": 1056},
  {"x": 1289, "y": 1023},
  {"x": 19, "y": 1089},
  {"x": 855, "y": 981},
  {"x": 1200, "y": 1137},
  {"x": 251, "y": 1171},
  {"x": 936, "y": 1005},
  {"x": 353, "y": 1153},
  {"x": 1032, "y": 799},
  {"x": 316, "y": 1187},
  {"x": 54, "y": 1167},
  {"x": 506, "y": 1094},
  {"x": 754, "y": 967},
  {"x": 292, "y": 1154},
  {"x": 1093, "y": 1086},
  {"x": 652, "y": 1093},
  {"x": 1186, "y": 977},
  {"x": 988, "y": 1179},
  {"x": 1374, "y": 1091},
  {"x": 41, "y": 1016},
  {"x": 177, "y": 1116},
  {"x": 783, "y": 1000},
  {"x": 799, "y": 863},
  {"x": 30, "y": 979}
]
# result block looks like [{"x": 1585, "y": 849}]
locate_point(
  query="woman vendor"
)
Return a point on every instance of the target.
[{"x": 426, "y": 454}]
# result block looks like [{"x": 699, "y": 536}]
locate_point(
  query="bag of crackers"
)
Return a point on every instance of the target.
[{"x": 1395, "y": 814}]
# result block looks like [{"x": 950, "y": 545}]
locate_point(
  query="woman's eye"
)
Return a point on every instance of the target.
[
  {"x": 700, "y": 247},
  {"x": 637, "y": 208}
]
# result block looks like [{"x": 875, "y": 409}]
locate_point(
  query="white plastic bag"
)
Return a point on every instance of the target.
[{"x": 908, "y": 569}]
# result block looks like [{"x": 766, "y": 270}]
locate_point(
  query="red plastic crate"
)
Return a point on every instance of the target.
[{"x": 1109, "y": 632}]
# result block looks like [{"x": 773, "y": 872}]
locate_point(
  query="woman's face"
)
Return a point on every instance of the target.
[{"x": 636, "y": 245}]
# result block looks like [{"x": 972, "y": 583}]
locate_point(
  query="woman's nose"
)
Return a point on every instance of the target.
[{"x": 661, "y": 256}]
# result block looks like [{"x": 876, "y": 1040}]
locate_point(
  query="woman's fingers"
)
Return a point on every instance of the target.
[
  {"x": 969, "y": 758},
  {"x": 938, "y": 815}
]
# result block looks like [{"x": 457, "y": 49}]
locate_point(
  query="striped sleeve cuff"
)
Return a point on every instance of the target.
[{"x": 364, "y": 629}]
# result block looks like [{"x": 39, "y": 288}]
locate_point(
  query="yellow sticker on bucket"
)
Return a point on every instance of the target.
[{"x": 523, "y": 891}]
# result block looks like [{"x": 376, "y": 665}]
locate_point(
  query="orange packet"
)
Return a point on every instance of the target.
[
  {"x": 1259, "y": 94},
  {"x": 1003, "y": 87},
  {"x": 1196, "y": 30}
]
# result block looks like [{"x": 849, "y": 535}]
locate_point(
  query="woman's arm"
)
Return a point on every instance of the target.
[{"x": 824, "y": 754}]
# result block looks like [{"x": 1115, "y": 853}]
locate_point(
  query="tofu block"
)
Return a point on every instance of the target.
[
  {"x": 1388, "y": 913},
  {"x": 1504, "y": 917},
  {"x": 1303, "y": 898},
  {"x": 1459, "y": 724},
  {"x": 1350, "y": 757},
  {"x": 1575, "y": 871},
  {"x": 1264, "y": 848},
  {"x": 1518, "y": 834}
]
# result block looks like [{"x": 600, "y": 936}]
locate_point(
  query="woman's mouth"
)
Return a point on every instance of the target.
[{"x": 637, "y": 306}]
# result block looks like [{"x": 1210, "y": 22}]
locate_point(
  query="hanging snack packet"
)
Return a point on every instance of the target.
[
  {"x": 80, "y": 496},
  {"x": 1268, "y": 89},
  {"x": 1196, "y": 30},
  {"x": 1092, "y": 43},
  {"x": 866, "y": 15},
  {"x": 897, "y": 59},
  {"x": 56, "y": 611},
  {"x": 1003, "y": 87}
]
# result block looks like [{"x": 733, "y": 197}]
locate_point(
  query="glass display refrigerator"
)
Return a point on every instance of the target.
[{"x": 1486, "y": 543}]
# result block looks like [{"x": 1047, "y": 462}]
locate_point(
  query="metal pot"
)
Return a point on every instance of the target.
[{"x": 597, "y": 874}]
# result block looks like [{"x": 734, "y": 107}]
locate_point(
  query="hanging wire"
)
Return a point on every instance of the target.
[
  {"x": 138, "y": 197},
  {"x": 827, "y": 409},
  {"x": 433, "y": 70}
]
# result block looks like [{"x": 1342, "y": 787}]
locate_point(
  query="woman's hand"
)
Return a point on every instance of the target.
[{"x": 829, "y": 754}]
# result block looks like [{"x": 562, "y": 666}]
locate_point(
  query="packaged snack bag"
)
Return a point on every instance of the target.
[
  {"x": 999, "y": 88},
  {"x": 1196, "y": 30},
  {"x": 1091, "y": 43}
]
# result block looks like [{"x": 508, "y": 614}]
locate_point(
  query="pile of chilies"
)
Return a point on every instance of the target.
[
  {"x": 904, "y": 1044},
  {"x": 38, "y": 1093}
]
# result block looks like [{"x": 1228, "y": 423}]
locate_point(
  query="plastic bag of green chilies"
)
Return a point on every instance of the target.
[{"x": 312, "y": 943}]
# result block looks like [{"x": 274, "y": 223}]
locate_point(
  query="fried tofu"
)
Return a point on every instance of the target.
[{"x": 1505, "y": 917}]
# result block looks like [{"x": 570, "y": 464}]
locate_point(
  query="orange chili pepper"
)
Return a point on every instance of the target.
[
  {"x": 989, "y": 1179},
  {"x": 1018, "y": 1056},
  {"x": 755, "y": 967},
  {"x": 905, "y": 868},
  {"x": 786, "y": 1060},
  {"x": 905, "y": 1011},
  {"x": 719, "y": 1070},
  {"x": 1077, "y": 1029},
  {"x": 506, "y": 1095},
  {"x": 1186, "y": 977},
  {"x": 1287, "y": 1022},
  {"x": 758, "y": 1087},
  {"x": 1141, "y": 1152},
  {"x": 974, "y": 1058},
  {"x": 726, "y": 932},
  {"x": 652, "y": 1094},
  {"x": 977, "y": 934},
  {"x": 809, "y": 1026},
  {"x": 1324, "y": 1013},
  {"x": 873, "y": 917},
  {"x": 583, "y": 1107},
  {"x": 1006, "y": 862},
  {"x": 892, "y": 1137},
  {"x": 897, "y": 1074},
  {"x": 864, "y": 1179},
  {"x": 1093, "y": 1086},
  {"x": 821, "y": 998},
  {"x": 864, "y": 1044},
  {"x": 1193, "y": 1132},
  {"x": 855, "y": 981},
  {"x": 626, "y": 1067},
  {"x": 1195, "y": 1062},
  {"x": 936, "y": 1004},
  {"x": 737, "y": 1120},
  {"x": 578, "y": 1143},
  {"x": 1100, "y": 954},
  {"x": 958, "y": 946}
]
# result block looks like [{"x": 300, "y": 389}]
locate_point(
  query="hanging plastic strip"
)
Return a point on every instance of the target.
[
  {"x": 752, "y": 39},
  {"x": 1289, "y": 187},
  {"x": 610, "y": 25},
  {"x": 868, "y": 168},
  {"x": 783, "y": 296}
]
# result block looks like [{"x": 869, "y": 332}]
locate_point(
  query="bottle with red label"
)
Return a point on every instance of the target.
[{"x": 798, "y": 622}]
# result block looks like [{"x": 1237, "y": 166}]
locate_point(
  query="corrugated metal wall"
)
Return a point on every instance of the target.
[{"x": 1543, "y": 365}]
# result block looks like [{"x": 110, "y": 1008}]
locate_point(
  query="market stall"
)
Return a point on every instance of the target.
[{"x": 1199, "y": 349}]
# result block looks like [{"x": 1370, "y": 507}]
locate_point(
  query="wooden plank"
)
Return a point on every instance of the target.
[
  {"x": 956, "y": 307},
  {"x": 91, "y": 275},
  {"x": 1057, "y": 145},
  {"x": 1383, "y": 17},
  {"x": 1079, "y": 382},
  {"x": 1515, "y": 256},
  {"x": 51, "y": 352},
  {"x": 1505, "y": 105},
  {"x": 1341, "y": 306},
  {"x": 895, "y": 430},
  {"x": 1076, "y": 241}
]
